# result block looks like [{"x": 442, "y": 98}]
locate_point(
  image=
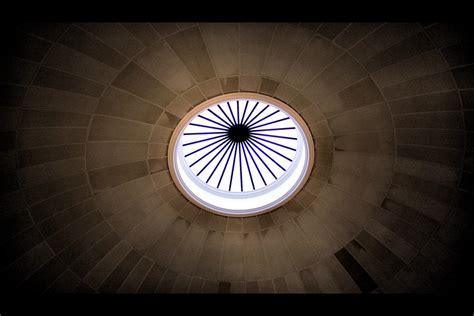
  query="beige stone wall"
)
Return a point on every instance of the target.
[{"x": 88, "y": 205}]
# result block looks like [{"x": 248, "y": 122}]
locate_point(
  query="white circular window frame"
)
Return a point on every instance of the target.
[{"x": 243, "y": 204}]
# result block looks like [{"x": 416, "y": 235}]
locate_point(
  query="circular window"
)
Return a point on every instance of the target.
[{"x": 241, "y": 154}]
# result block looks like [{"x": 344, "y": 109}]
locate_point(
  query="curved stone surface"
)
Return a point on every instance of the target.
[{"x": 87, "y": 203}]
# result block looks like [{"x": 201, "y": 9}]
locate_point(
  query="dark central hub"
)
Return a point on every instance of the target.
[{"x": 239, "y": 133}]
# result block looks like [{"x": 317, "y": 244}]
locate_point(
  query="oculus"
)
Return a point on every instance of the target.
[{"x": 241, "y": 154}]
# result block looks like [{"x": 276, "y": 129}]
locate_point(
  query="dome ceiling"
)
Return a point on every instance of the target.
[{"x": 88, "y": 204}]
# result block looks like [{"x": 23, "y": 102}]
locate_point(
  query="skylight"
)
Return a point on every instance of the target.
[{"x": 240, "y": 154}]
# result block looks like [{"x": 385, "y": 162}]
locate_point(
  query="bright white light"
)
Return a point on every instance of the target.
[{"x": 210, "y": 175}]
